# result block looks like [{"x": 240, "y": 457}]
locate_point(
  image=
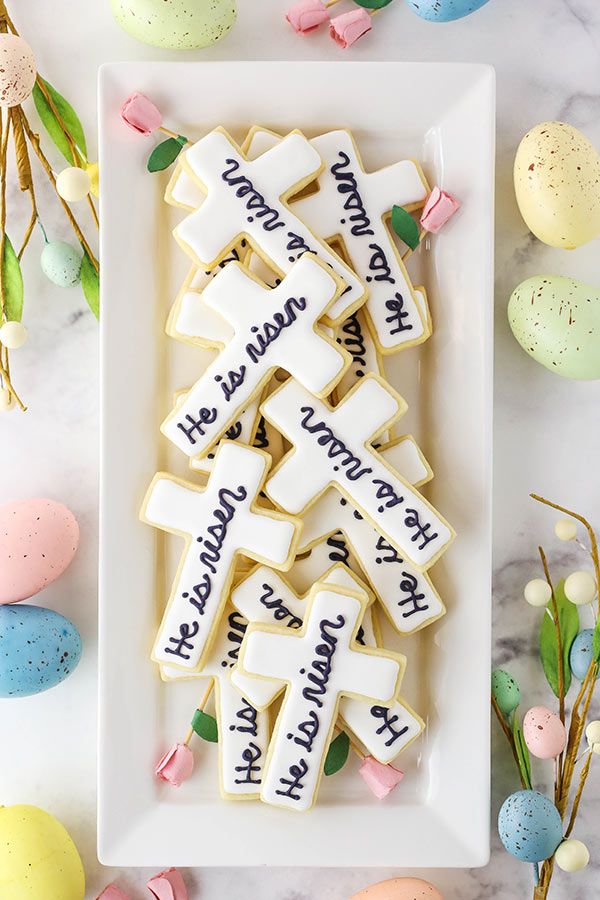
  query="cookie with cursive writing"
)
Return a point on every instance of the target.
[
  {"x": 309, "y": 564},
  {"x": 273, "y": 328},
  {"x": 182, "y": 191},
  {"x": 247, "y": 199},
  {"x": 319, "y": 663},
  {"x": 332, "y": 447},
  {"x": 218, "y": 522},
  {"x": 353, "y": 206},
  {"x": 243, "y": 730}
]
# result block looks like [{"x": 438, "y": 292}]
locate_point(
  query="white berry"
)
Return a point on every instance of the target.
[
  {"x": 572, "y": 855},
  {"x": 13, "y": 335},
  {"x": 7, "y": 400},
  {"x": 592, "y": 733},
  {"x": 73, "y": 184},
  {"x": 537, "y": 592},
  {"x": 565, "y": 530},
  {"x": 580, "y": 588}
]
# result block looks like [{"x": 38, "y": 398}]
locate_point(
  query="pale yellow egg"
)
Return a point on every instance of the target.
[{"x": 557, "y": 183}]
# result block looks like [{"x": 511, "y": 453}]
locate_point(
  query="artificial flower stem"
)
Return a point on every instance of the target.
[
  {"x": 76, "y": 152},
  {"x": 509, "y": 738},
  {"x": 200, "y": 706},
  {"x": 35, "y": 143},
  {"x": 575, "y": 809},
  {"x": 171, "y": 134},
  {"x": 559, "y": 645}
]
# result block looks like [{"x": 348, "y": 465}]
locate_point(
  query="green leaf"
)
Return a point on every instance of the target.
[
  {"x": 90, "y": 282},
  {"x": 522, "y": 752},
  {"x": 337, "y": 754},
  {"x": 205, "y": 726},
  {"x": 51, "y": 124},
  {"x": 596, "y": 642},
  {"x": 13, "y": 283},
  {"x": 165, "y": 153},
  {"x": 568, "y": 619},
  {"x": 405, "y": 227},
  {"x": 372, "y": 4}
]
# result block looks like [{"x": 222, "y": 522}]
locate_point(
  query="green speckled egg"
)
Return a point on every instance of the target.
[
  {"x": 557, "y": 321},
  {"x": 176, "y": 24},
  {"x": 61, "y": 263},
  {"x": 557, "y": 183},
  {"x": 505, "y": 691}
]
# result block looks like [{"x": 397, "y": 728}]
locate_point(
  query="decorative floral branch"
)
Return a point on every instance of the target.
[{"x": 531, "y": 826}]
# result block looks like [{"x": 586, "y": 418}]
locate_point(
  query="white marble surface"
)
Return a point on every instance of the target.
[{"x": 547, "y": 58}]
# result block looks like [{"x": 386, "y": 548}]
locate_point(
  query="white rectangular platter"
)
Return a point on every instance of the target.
[{"x": 442, "y": 115}]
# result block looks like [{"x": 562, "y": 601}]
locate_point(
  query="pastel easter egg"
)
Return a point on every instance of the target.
[
  {"x": 544, "y": 733},
  {"x": 38, "y": 540},
  {"x": 582, "y": 653},
  {"x": 399, "y": 889},
  {"x": 37, "y": 857},
  {"x": 445, "y": 10},
  {"x": 17, "y": 70},
  {"x": 529, "y": 826},
  {"x": 61, "y": 263},
  {"x": 557, "y": 183},
  {"x": 505, "y": 691},
  {"x": 177, "y": 24},
  {"x": 39, "y": 648},
  {"x": 556, "y": 320}
]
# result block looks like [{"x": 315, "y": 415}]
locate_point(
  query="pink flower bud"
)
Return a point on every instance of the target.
[
  {"x": 176, "y": 765},
  {"x": 307, "y": 15},
  {"x": 140, "y": 114},
  {"x": 439, "y": 208},
  {"x": 347, "y": 28},
  {"x": 112, "y": 892},
  {"x": 168, "y": 885},
  {"x": 381, "y": 779}
]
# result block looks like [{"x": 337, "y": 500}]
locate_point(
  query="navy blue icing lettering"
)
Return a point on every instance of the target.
[
  {"x": 323, "y": 664},
  {"x": 260, "y": 439},
  {"x": 336, "y": 448},
  {"x": 354, "y": 341},
  {"x": 183, "y": 641},
  {"x": 338, "y": 549},
  {"x": 206, "y": 416},
  {"x": 294, "y": 782},
  {"x": 231, "y": 381},
  {"x": 346, "y": 184},
  {"x": 308, "y": 731},
  {"x": 247, "y": 717},
  {"x": 235, "y": 635},
  {"x": 255, "y": 202},
  {"x": 387, "y": 726},
  {"x": 397, "y": 314},
  {"x": 268, "y": 332},
  {"x": 421, "y": 531},
  {"x": 386, "y": 492},
  {"x": 250, "y": 755},
  {"x": 379, "y": 265},
  {"x": 409, "y": 586},
  {"x": 280, "y": 612}
]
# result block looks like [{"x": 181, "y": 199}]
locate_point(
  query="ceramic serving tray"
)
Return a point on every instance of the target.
[{"x": 443, "y": 115}]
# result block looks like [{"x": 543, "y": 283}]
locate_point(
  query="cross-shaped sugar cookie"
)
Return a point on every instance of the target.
[
  {"x": 332, "y": 447},
  {"x": 217, "y": 522},
  {"x": 243, "y": 730},
  {"x": 352, "y": 205},
  {"x": 272, "y": 328},
  {"x": 320, "y": 663},
  {"x": 247, "y": 199}
]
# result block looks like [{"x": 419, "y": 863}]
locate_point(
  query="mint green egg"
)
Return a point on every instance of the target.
[
  {"x": 505, "y": 691},
  {"x": 176, "y": 24},
  {"x": 61, "y": 263},
  {"x": 557, "y": 321}
]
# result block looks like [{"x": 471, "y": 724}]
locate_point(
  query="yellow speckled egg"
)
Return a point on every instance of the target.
[
  {"x": 399, "y": 889},
  {"x": 17, "y": 70},
  {"x": 176, "y": 24},
  {"x": 557, "y": 321},
  {"x": 38, "y": 859},
  {"x": 557, "y": 183}
]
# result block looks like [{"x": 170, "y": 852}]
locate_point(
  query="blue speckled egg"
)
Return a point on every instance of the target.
[
  {"x": 445, "y": 10},
  {"x": 39, "y": 648},
  {"x": 529, "y": 826},
  {"x": 581, "y": 653},
  {"x": 61, "y": 263}
]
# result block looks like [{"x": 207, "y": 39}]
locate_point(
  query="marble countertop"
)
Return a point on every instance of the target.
[{"x": 547, "y": 59}]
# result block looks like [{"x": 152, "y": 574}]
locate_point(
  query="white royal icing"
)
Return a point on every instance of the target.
[
  {"x": 243, "y": 730},
  {"x": 183, "y": 191},
  {"x": 321, "y": 663},
  {"x": 272, "y": 328},
  {"x": 354, "y": 335},
  {"x": 351, "y": 203},
  {"x": 241, "y": 430},
  {"x": 331, "y": 447},
  {"x": 244, "y": 199},
  {"x": 406, "y": 594},
  {"x": 218, "y": 522},
  {"x": 308, "y": 567}
]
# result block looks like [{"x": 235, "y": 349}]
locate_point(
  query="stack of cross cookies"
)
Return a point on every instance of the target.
[{"x": 299, "y": 284}]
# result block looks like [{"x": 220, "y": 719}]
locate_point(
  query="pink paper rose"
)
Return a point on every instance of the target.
[
  {"x": 176, "y": 765},
  {"x": 439, "y": 208},
  {"x": 140, "y": 114},
  {"x": 381, "y": 779},
  {"x": 307, "y": 15},
  {"x": 112, "y": 892},
  {"x": 168, "y": 885},
  {"x": 349, "y": 27}
]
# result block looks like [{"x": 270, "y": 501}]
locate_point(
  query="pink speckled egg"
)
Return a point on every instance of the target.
[
  {"x": 17, "y": 70},
  {"x": 544, "y": 733},
  {"x": 399, "y": 889},
  {"x": 38, "y": 540}
]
